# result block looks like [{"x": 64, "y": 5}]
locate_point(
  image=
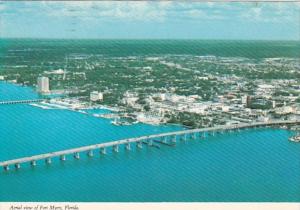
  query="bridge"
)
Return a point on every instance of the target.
[
  {"x": 163, "y": 138},
  {"x": 22, "y": 101}
]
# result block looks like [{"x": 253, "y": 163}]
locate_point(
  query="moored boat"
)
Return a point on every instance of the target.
[{"x": 295, "y": 138}]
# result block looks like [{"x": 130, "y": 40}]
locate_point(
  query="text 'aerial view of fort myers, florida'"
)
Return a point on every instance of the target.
[{"x": 149, "y": 101}]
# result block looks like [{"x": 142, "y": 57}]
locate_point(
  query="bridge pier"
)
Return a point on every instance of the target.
[
  {"x": 6, "y": 168},
  {"x": 183, "y": 137},
  {"x": 173, "y": 139},
  {"x": 150, "y": 142},
  {"x": 76, "y": 155},
  {"x": 193, "y": 136},
  {"x": 139, "y": 144},
  {"x": 62, "y": 157},
  {"x": 127, "y": 147},
  {"x": 48, "y": 160},
  {"x": 33, "y": 163},
  {"x": 116, "y": 148},
  {"x": 164, "y": 139},
  {"x": 203, "y": 135},
  {"x": 17, "y": 166},
  {"x": 90, "y": 153},
  {"x": 103, "y": 150}
]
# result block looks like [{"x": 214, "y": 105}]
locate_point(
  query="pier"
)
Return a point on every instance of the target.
[{"x": 138, "y": 141}]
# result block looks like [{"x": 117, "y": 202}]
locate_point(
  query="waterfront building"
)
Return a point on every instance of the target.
[
  {"x": 13, "y": 81},
  {"x": 96, "y": 96},
  {"x": 43, "y": 85},
  {"x": 130, "y": 101}
]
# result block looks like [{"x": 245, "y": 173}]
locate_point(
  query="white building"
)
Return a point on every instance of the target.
[
  {"x": 43, "y": 85},
  {"x": 225, "y": 108},
  {"x": 285, "y": 110},
  {"x": 96, "y": 96},
  {"x": 273, "y": 104},
  {"x": 162, "y": 96},
  {"x": 288, "y": 109},
  {"x": 58, "y": 71},
  {"x": 244, "y": 99}
]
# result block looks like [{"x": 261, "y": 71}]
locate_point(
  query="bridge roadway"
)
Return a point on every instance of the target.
[
  {"x": 139, "y": 141},
  {"x": 22, "y": 101}
]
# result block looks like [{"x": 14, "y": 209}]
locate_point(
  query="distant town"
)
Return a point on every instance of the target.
[{"x": 194, "y": 91}]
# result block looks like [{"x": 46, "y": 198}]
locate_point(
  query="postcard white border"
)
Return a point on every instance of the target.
[{"x": 146, "y": 206}]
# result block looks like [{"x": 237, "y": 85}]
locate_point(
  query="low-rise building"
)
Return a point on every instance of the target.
[{"x": 96, "y": 96}]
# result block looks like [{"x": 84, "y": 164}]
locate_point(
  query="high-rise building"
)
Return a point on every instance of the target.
[
  {"x": 43, "y": 85},
  {"x": 273, "y": 104},
  {"x": 248, "y": 101}
]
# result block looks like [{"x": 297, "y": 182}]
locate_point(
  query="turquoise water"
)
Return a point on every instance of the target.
[
  {"x": 98, "y": 111},
  {"x": 252, "y": 165}
]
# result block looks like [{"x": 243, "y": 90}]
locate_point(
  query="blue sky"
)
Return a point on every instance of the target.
[{"x": 150, "y": 20}]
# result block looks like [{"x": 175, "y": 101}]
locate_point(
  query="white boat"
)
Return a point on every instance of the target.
[
  {"x": 115, "y": 122},
  {"x": 82, "y": 112},
  {"x": 295, "y": 138},
  {"x": 96, "y": 115}
]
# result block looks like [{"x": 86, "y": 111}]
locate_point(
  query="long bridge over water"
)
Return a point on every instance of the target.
[
  {"x": 169, "y": 138},
  {"x": 21, "y": 101}
]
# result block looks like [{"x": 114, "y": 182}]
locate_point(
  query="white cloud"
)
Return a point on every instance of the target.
[
  {"x": 272, "y": 12},
  {"x": 134, "y": 11},
  {"x": 159, "y": 11},
  {"x": 200, "y": 14},
  {"x": 139, "y": 11}
]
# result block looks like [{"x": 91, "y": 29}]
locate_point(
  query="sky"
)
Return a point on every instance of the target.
[{"x": 150, "y": 20}]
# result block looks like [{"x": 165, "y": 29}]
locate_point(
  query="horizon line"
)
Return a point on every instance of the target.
[{"x": 166, "y": 39}]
